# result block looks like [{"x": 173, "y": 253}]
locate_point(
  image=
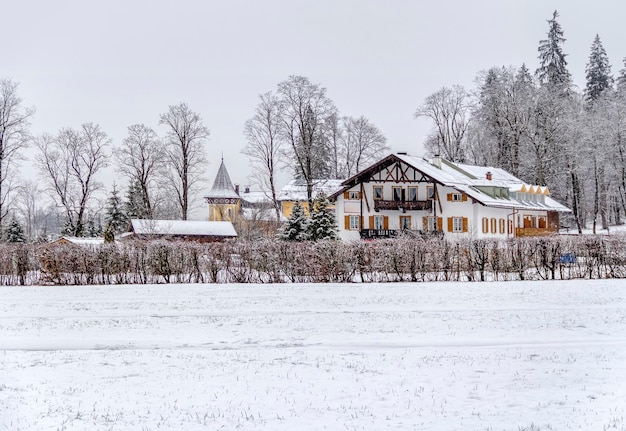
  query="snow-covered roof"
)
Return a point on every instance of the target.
[
  {"x": 295, "y": 190},
  {"x": 183, "y": 228},
  {"x": 222, "y": 186},
  {"x": 255, "y": 197},
  {"x": 469, "y": 179},
  {"x": 80, "y": 240}
]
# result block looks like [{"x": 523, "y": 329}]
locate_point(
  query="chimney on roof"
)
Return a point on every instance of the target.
[
  {"x": 437, "y": 161},
  {"x": 247, "y": 189},
  {"x": 237, "y": 188},
  {"x": 489, "y": 176}
]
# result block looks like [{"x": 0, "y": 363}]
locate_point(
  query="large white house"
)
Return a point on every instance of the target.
[{"x": 407, "y": 193}]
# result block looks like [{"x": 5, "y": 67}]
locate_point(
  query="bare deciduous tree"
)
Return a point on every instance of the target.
[
  {"x": 362, "y": 143},
  {"x": 264, "y": 144},
  {"x": 141, "y": 158},
  {"x": 449, "y": 110},
  {"x": 305, "y": 110},
  {"x": 14, "y": 136},
  {"x": 186, "y": 136},
  {"x": 70, "y": 162}
]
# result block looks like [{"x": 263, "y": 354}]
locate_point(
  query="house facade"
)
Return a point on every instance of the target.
[
  {"x": 404, "y": 193},
  {"x": 296, "y": 191}
]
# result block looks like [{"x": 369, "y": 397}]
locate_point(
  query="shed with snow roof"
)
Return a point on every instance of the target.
[{"x": 187, "y": 230}]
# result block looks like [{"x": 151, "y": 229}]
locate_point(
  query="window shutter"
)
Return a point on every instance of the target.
[
  {"x": 346, "y": 220},
  {"x": 360, "y": 222},
  {"x": 465, "y": 224},
  {"x": 450, "y": 227},
  {"x": 371, "y": 222},
  {"x": 449, "y": 197},
  {"x": 346, "y": 195},
  {"x": 425, "y": 223},
  {"x": 385, "y": 222},
  {"x": 464, "y": 198},
  {"x": 485, "y": 225},
  {"x": 439, "y": 223},
  {"x": 359, "y": 196}
]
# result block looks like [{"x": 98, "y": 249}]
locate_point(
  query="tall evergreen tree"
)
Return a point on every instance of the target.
[
  {"x": 553, "y": 66},
  {"x": 296, "y": 228},
  {"x": 621, "y": 78},
  {"x": 115, "y": 216},
  {"x": 322, "y": 225},
  {"x": 14, "y": 232},
  {"x": 135, "y": 205},
  {"x": 598, "y": 72}
]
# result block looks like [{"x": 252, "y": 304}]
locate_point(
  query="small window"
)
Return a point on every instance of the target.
[
  {"x": 457, "y": 224},
  {"x": 353, "y": 195},
  {"x": 493, "y": 225},
  {"x": 502, "y": 225},
  {"x": 510, "y": 227},
  {"x": 378, "y": 192},
  {"x": 485, "y": 225},
  {"x": 396, "y": 192},
  {"x": 430, "y": 192},
  {"x": 354, "y": 222},
  {"x": 405, "y": 222},
  {"x": 457, "y": 197},
  {"x": 413, "y": 194},
  {"x": 379, "y": 222},
  {"x": 432, "y": 224}
]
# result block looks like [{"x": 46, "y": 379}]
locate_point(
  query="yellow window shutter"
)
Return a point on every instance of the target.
[
  {"x": 449, "y": 197},
  {"x": 464, "y": 198},
  {"x": 346, "y": 195},
  {"x": 450, "y": 224},
  {"x": 359, "y": 195},
  {"x": 360, "y": 222},
  {"x": 439, "y": 223},
  {"x": 465, "y": 224},
  {"x": 346, "y": 220},
  {"x": 385, "y": 222},
  {"x": 371, "y": 222}
]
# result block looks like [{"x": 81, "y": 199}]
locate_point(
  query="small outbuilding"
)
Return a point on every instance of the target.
[{"x": 186, "y": 230}]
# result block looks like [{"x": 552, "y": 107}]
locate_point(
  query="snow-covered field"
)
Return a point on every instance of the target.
[{"x": 443, "y": 356}]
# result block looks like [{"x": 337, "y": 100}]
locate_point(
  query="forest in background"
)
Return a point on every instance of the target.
[{"x": 538, "y": 126}]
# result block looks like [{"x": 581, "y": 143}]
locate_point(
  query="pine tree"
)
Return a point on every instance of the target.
[
  {"x": 553, "y": 68},
  {"x": 322, "y": 225},
  {"x": 14, "y": 232},
  {"x": 115, "y": 216},
  {"x": 135, "y": 205},
  {"x": 621, "y": 78},
  {"x": 297, "y": 226},
  {"x": 598, "y": 72}
]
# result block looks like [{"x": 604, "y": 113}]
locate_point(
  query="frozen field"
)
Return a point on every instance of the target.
[{"x": 446, "y": 356}]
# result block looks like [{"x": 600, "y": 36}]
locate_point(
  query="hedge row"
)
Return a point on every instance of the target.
[{"x": 401, "y": 259}]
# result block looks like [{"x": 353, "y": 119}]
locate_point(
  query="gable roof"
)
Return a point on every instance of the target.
[
  {"x": 183, "y": 228},
  {"x": 295, "y": 190},
  {"x": 222, "y": 186},
  {"x": 464, "y": 178}
]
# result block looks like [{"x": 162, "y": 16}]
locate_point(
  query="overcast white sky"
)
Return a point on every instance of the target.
[{"x": 122, "y": 62}]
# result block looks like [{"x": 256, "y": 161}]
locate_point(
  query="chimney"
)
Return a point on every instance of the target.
[
  {"x": 437, "y": 161},
  {"x": 489, "y": 176},
  {"x": 237, "y": 188},
  {"x": 247, "y": 189}
]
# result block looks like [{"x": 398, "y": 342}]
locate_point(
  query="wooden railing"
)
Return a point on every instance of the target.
[
  {"x": 403, "y": 205},
  {"x": 534, "y": 231}
]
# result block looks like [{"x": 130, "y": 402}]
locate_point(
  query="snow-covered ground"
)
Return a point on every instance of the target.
[{"x": 439, "y": 356}]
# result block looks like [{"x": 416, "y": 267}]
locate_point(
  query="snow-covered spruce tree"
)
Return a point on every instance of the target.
[
  {"x": 135, "y": 205},
  {"x": 115, "y": 216},
  {"x": 322, "y": 225},
  {"x": 296, "y": 228},
  {"x": 598, "y": 72},
  {"x": 14, "y": 232},
  {"x": 553, "y": 68},
  {"x": 621, "y": 79}
]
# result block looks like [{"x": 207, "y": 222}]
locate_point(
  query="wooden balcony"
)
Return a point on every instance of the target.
[
  {"x": 534, "y": 231},
  {"x": 403, "y": 205}
]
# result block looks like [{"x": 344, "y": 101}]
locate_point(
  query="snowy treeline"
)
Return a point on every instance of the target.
[
  {"x": 402, "y": 259},
  {"x": 543, "y": 129}
]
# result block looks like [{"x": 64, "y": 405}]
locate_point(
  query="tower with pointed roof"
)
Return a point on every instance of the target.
[{"x": 224, "y": 201}]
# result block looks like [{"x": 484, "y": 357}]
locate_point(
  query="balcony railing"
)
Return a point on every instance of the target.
[
  {"x": 403, "y": 205},
  {"x": 393, "y": 233}
]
